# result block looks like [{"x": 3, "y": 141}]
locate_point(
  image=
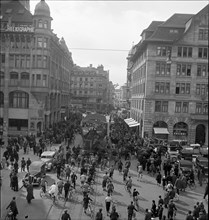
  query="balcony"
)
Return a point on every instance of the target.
[{"x": 198, "y": 116}]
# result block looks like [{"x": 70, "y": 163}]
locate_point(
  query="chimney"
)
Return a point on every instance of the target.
[{"x": 90, "y": 65}]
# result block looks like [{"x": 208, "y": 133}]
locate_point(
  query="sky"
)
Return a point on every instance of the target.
[{"x": 103, "y": 32}]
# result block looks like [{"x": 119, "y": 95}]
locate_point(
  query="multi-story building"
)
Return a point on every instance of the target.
[
  {"x": 121, "y": 97},
  {"x": 90, "y": 88},
  {"x": 168, "y": 74},
  {"x": 35, "y": 69}
]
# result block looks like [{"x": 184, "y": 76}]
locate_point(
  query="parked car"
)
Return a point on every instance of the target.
[
  {"x": 49, "y": 158},
  {"x": 202, "y": 162},
  {"x": 36, "y": 172},
  {"x": 178, "y": 143},
  {"x": 191, "y": 151}
]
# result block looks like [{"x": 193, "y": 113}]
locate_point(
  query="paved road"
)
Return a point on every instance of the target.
[{"x": 44, "y": 209}]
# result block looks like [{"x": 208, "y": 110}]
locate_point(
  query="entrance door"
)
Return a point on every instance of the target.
[
  {"x": 39, "y": 129},
  {"x": 200, "y": 134}
]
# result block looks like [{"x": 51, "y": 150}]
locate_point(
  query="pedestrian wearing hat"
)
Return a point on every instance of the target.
[{"x": 65, "y": 216}]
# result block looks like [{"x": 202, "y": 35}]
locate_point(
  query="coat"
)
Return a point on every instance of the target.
[
  {"x": 12, "y": 205},
  {"x": 30, "y": 195}
]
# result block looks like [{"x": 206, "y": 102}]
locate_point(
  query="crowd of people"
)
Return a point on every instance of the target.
[{"x": 125, "y": 146}]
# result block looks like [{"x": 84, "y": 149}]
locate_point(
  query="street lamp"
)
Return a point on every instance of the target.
[{"x": 108, "y": 125}]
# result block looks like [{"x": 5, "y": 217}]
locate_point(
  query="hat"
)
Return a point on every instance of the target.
[{"x": 65, "y": 211}]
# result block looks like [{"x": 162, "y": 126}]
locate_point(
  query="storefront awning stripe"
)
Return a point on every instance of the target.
[
  {"x": 132, "y": 122},
  {"x": 161, "y": 131},
  {"x": 128, "y": 119},
  {"x": 134, "y": 125}
]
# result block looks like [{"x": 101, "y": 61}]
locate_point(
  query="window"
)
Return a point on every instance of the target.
[
  {"x": 205, "y": 108},
  {"x": 40, "y": 23},
  {"x": 46, "y": 24},
  {"x": 185, "y": 107},
  {"x": 1, "y": 99},
  {"x": 45, "y": 43},
  {"x": 13, "y": 78},
  {"x": 80, "y": 78},
  {"x": 182, "y": 88},
  {"x": 183, "y": 70},
  {"x": 44, "y": 80},
  {"x": 25, "y": 79},
  {"x": 198, "y": 108},
  {"x": 18, "y": 124},
  {"x": 157, "y": 106},
  {"x": 27, "y": 61},
  {"x": 157, "y": 87},
  {"x": 91, "y": 84},
  {"x": 39, "y": 42},
  {"x": 198, "y": 89},
  {"x": 202, "y": 70},
  {"x": 39, "y": 61},
  {"x": 187, "y": 88},
  {"x": 203, "y": 52},
  {"x": 22, "y": 61},
  {"x": 38, "y": 76},
  {"x": 162, "y": 87},
  {"x": 45, "y": 62},
  {"x": 163, "y": 50},
  {"x": 178, "y": 107},
  {"x": 18, "y": 99},
  {"x": 167, "y": 88},
  {"x": 163, "y": 68},
  {"x": 2, "y": 58},
  {"x": 177, "y": 88},
  {"x": 203, "y": 89},
  {"x": 184, "y": 52},
  {"x": 17, "y": 61},
  {"x": 1, "y": 78},
  {"x": 165, "y": 106},
  {"x": 203, "y": 34}
]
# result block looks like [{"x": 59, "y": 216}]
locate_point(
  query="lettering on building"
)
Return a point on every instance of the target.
[{"x": 20, "y": 28}]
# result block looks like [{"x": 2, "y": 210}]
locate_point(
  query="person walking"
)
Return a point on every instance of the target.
[
  {"x": 114, "y": 215},
  {"x": 108, "y": 201},
  {"x": 73, "y": 179},
  {"x": 189, "y": 216},
  {"x": 68, "y": 172},
  {"x": 131, "y": 209},
  {"x": 160, "y": 211},
  {"x": 30, "y": 195},
  {"x": 28, "y": 163},
  {"x": 13, "y": 207},
  {"x": 159, "y": 178},
  {"x": 65, "y": 216},
  {"x": 23, "y": 164},
  {"x": 67, "y": 186},
  {"x": 15, "y": 182},
  {"x": 16, "y": 166}
]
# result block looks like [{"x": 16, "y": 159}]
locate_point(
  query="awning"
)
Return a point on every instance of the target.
[
  {"x": 161, "y": 131},
  {"x": 128, "y": 119},
  {"x": 134, "y": 125}
]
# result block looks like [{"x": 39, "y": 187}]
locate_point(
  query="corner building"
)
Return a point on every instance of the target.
[
  {"x": 35, "y": 70},
  {"x": 168, "y": 78}
]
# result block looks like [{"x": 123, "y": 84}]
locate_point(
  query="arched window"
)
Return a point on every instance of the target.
[
  {"x": 40, "y": 23},
  {"x": 13, "y": 78},
  {"x": 18, "y": 99},
  {"x": 1, "y": 78},
  {"x": 25, "y": 79},
  {"x": 46, "y": 24},
  {"x": 1, "y": 99}
]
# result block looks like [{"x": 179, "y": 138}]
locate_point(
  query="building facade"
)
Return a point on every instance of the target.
[
  {"x": 35, "y": 70},
  {"x": 90, "y": 88},
  {"x": 168, "y": 78}
]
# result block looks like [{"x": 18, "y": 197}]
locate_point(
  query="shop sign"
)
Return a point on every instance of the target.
[{"x": 20, "y": 28}]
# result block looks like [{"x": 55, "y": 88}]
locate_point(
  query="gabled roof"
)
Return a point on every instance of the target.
[
  {"x": 177, "y": 20},
  {"x": 154, "y": 25},
  {"x": 15, "y": 11}
]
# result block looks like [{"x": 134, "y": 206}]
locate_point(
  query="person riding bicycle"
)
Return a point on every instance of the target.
[
  {"x": 171, "y": 209},
  {"x": 52, "y": 189},
  {"x": 86, "y": 187},
  {"x": 129, "y": 184},
  {"x": 43, "y": 185},
  {"x": 86, "y": 201}
]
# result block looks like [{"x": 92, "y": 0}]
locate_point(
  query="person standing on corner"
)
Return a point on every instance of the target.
[
  {"x": 30, "y": 195},
  {"x": 65, "y": 216}
]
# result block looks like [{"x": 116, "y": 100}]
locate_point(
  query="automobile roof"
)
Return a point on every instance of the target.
[
  {"x": 185, "y": 162},
  {"x": 36, "y": 164},
  {"x": 48, "y": 153}
]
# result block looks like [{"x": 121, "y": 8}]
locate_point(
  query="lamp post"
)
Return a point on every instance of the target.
[{"x": 108, "y": 125}]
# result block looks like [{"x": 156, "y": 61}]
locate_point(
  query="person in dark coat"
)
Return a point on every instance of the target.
[
  {"x": 16, "y": 166},
  {"x": 30, "y": 195},
  {"x": 65, "y": 216},
  {"x": 158, "y": 178},
  {"x": 13, "y": 207},
  {"x": 15, "y": 182}
]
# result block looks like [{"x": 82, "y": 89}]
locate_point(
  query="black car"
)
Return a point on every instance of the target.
[{"x": 37, "y": 171}]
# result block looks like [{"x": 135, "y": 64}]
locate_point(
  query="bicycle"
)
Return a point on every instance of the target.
[
  {"x": 9, "y": 215},
  {"x": 48, "y": 195}
]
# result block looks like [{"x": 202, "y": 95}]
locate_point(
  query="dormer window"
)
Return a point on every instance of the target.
[
  {"x": 46, "y": 24},
  {"x": 174, "y": 31},
  {"x": 40, "y": 23}
]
